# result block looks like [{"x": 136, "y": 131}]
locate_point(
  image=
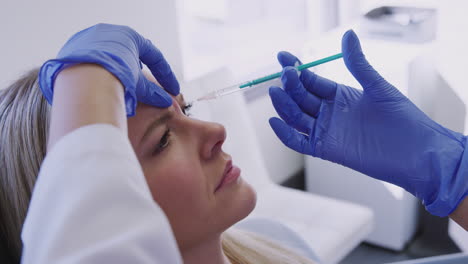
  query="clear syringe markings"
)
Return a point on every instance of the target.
[{"x": 243, "y": 86}]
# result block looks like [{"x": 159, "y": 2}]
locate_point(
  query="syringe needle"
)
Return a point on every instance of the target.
[
  {"x": 243, "y": 86},
  {"x": 208, "y": 96},
  {"x": 221, "y": 92}
]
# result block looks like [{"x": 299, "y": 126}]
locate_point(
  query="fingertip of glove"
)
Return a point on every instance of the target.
[
  {"x": 281, "y": 54},
  {"x": 273, "y": 121},
  {"x": 162, "y": 99},
  {"x": 156, "y": 96},
  {"x": 277, "y": 96},
  {"x": 287, "y": 59},
  {"x": 174, "y": 90},
  {"x": 290, "y": 72},
  {"x": 350, "y": 43},
  {"x": 276, "y": 124},
  {"x": 274, "y": 90},
  {"x": 348, "y": 32},
  {"x": 172, "y": 86},
  {"x": 352, "y": 52}
]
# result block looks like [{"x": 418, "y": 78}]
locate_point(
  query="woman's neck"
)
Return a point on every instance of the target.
[{"x": 210, "y": 251}]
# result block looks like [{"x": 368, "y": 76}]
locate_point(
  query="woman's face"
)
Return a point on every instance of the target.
[{"x": 185, "y": 168}]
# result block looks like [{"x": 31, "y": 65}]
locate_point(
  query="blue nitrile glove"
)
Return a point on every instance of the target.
[
  {"x": 119, "y": 49},
  {"x": 378, "y": 131}
]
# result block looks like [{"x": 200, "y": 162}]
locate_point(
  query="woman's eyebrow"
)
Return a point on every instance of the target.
[{"x": 157, "y": 122}]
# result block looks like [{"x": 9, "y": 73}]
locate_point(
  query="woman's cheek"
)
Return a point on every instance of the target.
[{"x": 179, "y": 182}]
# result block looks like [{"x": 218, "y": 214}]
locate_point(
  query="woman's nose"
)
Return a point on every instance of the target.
[{"x": 213, "y": 139}]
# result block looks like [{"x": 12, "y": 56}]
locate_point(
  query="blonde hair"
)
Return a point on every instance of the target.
[
  {"x": 24, "y": 122},
  {"x": 243, "y": 247},
  {"x": 24, "y": 119}
]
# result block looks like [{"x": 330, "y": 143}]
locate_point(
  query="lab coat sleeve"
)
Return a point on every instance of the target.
[{"x": 91, "y": 204}]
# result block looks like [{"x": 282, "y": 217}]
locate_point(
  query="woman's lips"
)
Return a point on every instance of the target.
[{"x": 231, "y": 173}]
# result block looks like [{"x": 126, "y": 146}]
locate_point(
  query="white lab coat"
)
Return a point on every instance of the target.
[{"x": 91, "y": 204}]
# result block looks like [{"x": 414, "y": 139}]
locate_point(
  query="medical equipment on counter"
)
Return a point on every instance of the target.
[
  {"x": 400, "y": 23},
  {"x": 243, "y": 86}
]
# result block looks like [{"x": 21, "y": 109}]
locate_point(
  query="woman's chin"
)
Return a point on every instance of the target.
[
  {"x": 248, "y": 199},
  {"x": 237, "y": 206}
]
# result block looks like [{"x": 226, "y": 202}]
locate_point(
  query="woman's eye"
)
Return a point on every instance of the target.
[
  {"x": 186, "y": 109},
  {"x": 163, "y": 143}
]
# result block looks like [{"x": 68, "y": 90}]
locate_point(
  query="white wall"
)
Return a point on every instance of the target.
[
  {"x": 34, "y": 31},
  {"x": 253, "y": 44}
]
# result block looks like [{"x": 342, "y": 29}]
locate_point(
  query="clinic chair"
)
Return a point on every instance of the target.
[
  {"x": 458, "y": 258},
  {"x": 331, "y": 227},
  {"x": 458, "y": 235}
]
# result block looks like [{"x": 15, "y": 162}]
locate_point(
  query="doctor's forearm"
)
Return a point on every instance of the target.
[
  {"x": 460, "y": 215},
  {"x": 86, "y": 94}
]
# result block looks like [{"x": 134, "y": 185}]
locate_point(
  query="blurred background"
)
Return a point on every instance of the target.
[{"x": 416, "y": 45}]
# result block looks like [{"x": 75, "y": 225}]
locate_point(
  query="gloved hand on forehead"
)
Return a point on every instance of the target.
[
  {"x": 120, "y": 50},
  {"x": 377, "y": 131}
]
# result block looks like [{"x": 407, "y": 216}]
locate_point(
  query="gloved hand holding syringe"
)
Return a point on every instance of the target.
[{"x": 253, "y": 83}]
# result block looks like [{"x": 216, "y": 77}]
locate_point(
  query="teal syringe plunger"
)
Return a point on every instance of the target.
[{"x": 244, "y": 86}]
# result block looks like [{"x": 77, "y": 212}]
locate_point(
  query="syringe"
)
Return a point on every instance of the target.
[{"x": 243, "y": 86}]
